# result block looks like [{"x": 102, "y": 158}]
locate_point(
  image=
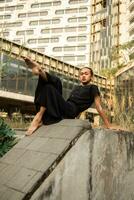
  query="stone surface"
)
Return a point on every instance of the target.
[{"x": 29, "y": 161}]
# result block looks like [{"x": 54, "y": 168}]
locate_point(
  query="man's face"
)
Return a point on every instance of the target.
[{"x": 85, "y": 76}]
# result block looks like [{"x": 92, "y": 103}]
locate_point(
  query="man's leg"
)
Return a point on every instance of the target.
[{"x": 37, "y": 121}]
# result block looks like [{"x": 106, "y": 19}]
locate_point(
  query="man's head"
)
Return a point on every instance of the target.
[{"x": 85, "y": 75}]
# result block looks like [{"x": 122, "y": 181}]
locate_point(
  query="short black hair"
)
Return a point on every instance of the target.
[{"x": 91, "y": 71}]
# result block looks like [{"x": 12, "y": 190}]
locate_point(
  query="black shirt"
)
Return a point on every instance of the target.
[{"x": 83, "y": 96}]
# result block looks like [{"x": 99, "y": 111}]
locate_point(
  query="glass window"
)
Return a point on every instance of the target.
[
  {"x": 29, "y": 32},
  {"x": 59, "y": 12},
  {"x": 55, "y": 21},
  {"x": 69, "y": 58},
  {"x": 19, "y": 7},
  {"x": 20, "y": 32},
  {"x": 7, "y": 16},
  {"x": 44, "y": 13},
  {"x": 83, "y": 10},
  {"x": 82, "y": 28},
  {"x": 81, "y": 48},
  {"x": 55, "y": 39},
  {"x": 71, "y": 39},
  {"x": 56, "y": 3},
  {"x": 70, "y": 29},
  {"x": 32, "y": 41},
  {"x": 35, "y": 5},
  {"x": 82, "y": 19},
  {"x": 33, "y": 23},
  {"x": 45, "y": 31},
  {"x": 72, "y": 19},
  {"x": 57, "y": 49},
  {"x": 67, "y": 11},
  {"x": 81, "y": 38},
  {"x": 72, "y": 48},
  {"x": 10, "y": 8},
  {"x": 77, "y": 1},
  {"x": 43, "y": 22},
  {"x": 1, "y": 8},
  {"x": 21, "y": 15},
  {"x": 57, "y": 30},
  {"x": 5, "y": 33},
  {"x": 43, "y": 40},
  {"x": 80, "y": 58},
  {"x": 17, "y": 41},
  {"x": 46, "y": 4},
  {"x": 33, "y": 14}
]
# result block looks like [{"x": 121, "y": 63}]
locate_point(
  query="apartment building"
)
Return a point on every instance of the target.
[
  {"x": 109, "y": 29},
  {"x": 131, "y": 19},
  {"x": 58, "y": 28}
]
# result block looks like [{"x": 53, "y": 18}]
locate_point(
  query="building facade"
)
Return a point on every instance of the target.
[
  {"x": 109, "y": 29},
  {"x": 131, "y": 20},
  {"x": 57, "y": 28}
]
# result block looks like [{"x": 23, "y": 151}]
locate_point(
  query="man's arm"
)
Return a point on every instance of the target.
[{"x": 101, "y": 111}]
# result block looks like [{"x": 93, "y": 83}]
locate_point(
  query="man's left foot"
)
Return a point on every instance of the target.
[{"x": 33, "y": 128}]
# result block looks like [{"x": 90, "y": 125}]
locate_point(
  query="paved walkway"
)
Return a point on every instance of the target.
[{"x": 27, "y": 164}]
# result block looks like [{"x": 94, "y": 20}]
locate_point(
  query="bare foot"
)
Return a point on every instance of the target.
[
  {"x": 33, "y": 128},
  {"x": 36, "y": 69}
]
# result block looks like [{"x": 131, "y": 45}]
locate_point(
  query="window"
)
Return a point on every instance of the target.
[
  {"x": 72, "y": 20},
  {"x": 57, "y": 49},
  {"x": 46, "y": 4},
  {"x": 44, "y": 13},
  {"x": 19, "y": 7},
  {"x": 81, "y": 38},
  {"x": 82, "y": 19},
  {"x": 71, "y": 39},
  {"x": 81, "y": 48},
  {"x": 43, "y": 40},
  {"x": 17, "y": 41},
  {"x": 77, "y": 1},
  {"x": 57, "y": 30},
  {"x": 28, "y": 32},
  {"x": 59, "y": 12},
  {"x": 32, "y": 41},
  {"x": 5, "y": 34},
  {"x": 70, "y": 29},
  {"x": 56, "y": 3},
  {"x": 9, "y": 8},
  {"x": 69, "y": 58},
  {"x": 5, "y": 16},
  {"x": 1, "y": 8},
  {"x": 33, "y": 23},
  {"x": 55, "y": 39},
  {"x": 55, "y": 21},
  {"x": 35, "y": 5},
  {"x": 81, "y": 58},
  {"x": 82, "y": 28},
  {"x": 33, "y": 14},
  {"x": 15, "y": 24},
  {"x": 45, "y": 31},
  {"x": 71, "y": 48},
  {"x": 22, "y": 15},
  {"x": 43, "y": 22},
  {"x": 83, "y": 10},
  {"x": 68, "y": 11}
]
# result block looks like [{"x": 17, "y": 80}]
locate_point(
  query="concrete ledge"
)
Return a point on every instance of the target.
[{"x": 26, "y": 165}]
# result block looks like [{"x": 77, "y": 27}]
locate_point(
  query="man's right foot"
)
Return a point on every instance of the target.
[{"x": 36, "y": 69}]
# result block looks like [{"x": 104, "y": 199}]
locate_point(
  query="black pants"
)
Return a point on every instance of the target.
[{"x": 56, "y": 107}]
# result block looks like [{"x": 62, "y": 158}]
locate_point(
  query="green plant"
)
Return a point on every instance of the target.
[{"x": 7, "y": 137}]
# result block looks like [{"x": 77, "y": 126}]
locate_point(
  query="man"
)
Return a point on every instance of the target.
[{"x": 50, "y": 105}]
